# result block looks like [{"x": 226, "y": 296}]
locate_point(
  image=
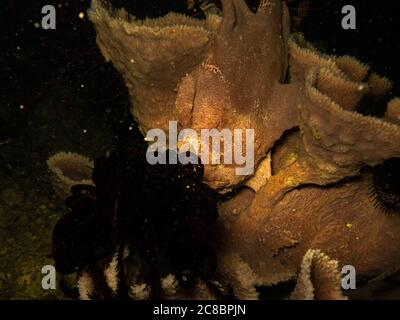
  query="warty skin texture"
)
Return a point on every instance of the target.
[{"x": 228, "y": 72}]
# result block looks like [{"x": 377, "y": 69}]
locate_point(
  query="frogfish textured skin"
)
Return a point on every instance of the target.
[{"x": 314, "y": 151}]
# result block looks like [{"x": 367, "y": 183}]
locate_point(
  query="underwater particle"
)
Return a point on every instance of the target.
[
  {"x": 84, "y": 131},
  {"x": 36, "y": 25},
  {"x": 21, "y": 106},
  {"x": 81, "y": 15},
  {"x": 349, "y": 225}
]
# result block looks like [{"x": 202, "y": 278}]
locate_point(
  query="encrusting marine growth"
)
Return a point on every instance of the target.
[
  {"x": 69, "y": 169},
  {"x": 314, "y": 152}
]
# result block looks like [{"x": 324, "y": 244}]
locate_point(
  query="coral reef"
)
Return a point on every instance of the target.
[{"x": 314, "y": 150}]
